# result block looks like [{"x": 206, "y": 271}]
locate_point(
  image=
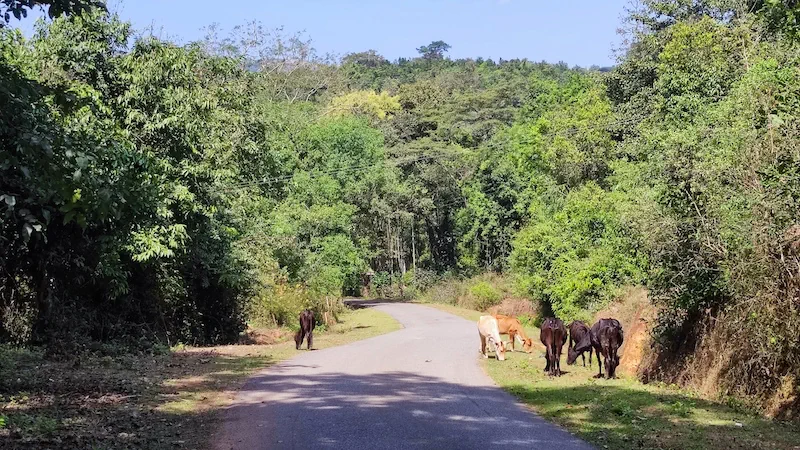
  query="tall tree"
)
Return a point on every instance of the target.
[
  {"x": 19, "y": 8},
  {"x": 433, "y": 51}
]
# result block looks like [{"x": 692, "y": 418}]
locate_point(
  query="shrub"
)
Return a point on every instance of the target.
[
  {"x": 447, "y": 291},
  {"x": 484, "y": 295},
  {"x": 481, "y": 292}
]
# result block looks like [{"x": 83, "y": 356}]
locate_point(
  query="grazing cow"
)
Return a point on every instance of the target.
[
  {"x": 580, "y": 341},
  {"x": 307, "y": 324},
  {"x": 513, "y": 328},
  {"x": 553, "y": 336},
  {"x": 488, "y": 330},
  {"x": 607, "y": 338}
]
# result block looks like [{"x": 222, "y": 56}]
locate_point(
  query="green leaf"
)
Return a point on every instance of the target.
[
  {"x": 27, "y": 230},
  {"x": 9, "y": 199}
]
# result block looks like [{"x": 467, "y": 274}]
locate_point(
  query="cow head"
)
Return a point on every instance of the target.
[
  {"x": 527, "y": 345},
  {"x": 572, "y": 356},
  {"x": 500, "y": 351}
]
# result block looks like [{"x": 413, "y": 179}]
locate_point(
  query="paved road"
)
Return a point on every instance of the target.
[{"x": 419, "y": 387}]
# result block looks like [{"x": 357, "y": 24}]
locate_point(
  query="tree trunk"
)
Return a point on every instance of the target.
[{"x": 413, "y": 248}]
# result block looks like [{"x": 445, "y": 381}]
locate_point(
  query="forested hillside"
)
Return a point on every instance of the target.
[{"x": 156, "y": 192}]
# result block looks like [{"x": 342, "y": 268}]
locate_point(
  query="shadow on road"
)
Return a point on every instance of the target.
[
  {"x": 388, "y": 410},
  {"x": 407, "y": 410},
  {"x": 358, "y": 303}
]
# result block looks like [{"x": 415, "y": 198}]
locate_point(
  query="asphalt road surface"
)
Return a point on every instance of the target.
[{"x": 419, "y": 387}]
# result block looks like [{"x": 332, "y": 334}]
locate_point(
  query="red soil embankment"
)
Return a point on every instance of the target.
[{"x": 636, "y": 315}]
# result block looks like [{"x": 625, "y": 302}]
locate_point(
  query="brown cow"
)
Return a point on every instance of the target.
[
  {"x": 607, "y": 338},
  {"x": 579, "y": 342},
  {"x": 307, "y": 324},
  {"x": 553, "y": 336},
  {"x": 513, "y": 328}
]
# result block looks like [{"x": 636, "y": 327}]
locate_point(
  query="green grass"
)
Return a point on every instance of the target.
[
  {"x": 142, "y": 401},
  {"x": 626, "y": 414}
]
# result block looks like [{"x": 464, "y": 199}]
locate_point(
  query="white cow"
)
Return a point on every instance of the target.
[{"x": 488, "y": 329}]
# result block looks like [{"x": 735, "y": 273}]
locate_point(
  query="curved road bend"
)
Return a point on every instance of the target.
[{"x": 419, "y": 387}]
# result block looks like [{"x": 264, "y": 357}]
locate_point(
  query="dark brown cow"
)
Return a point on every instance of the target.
[
  {"x": 306, "y": 329},
  {"x": 553, "y": 336},
  {"x": 580, "y": 342},
  {"x": 607, "y": 338}
]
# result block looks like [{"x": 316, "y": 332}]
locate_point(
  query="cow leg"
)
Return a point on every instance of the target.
[
  {"x": 558, "y": 361},
  {"x": 612, "y": 369},
  {"x": 590, "y": 356},
  {"x": 556, "y": 364},
  {"x": 600, "y": 366},
  {"x": 513, "y": 336},
  {"x": 310, "y": 338},
  {"x": 547, "y": 355},
  {"x": 583, "y": 355},
  {"x": 483, "y": 346}
]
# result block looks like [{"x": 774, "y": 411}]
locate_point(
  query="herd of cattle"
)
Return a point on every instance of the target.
[{"x": 604, "y": 337}]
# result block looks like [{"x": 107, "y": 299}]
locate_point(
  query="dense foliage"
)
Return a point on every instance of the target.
[{"x": 152, "y": 191}]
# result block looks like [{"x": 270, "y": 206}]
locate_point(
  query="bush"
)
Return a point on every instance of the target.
[
  {"x": 386, "y": 285},
  {"x": 448, "y": 291},
  {"x": 480, "y": 292},
  {"x": 417, "y": 281},
  {"x": 484, "y": 295},
  {"x": 281, "y": 305}
]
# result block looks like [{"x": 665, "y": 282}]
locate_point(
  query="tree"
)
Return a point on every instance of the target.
[
  {"x": 364, "y": 103},
  {"x": 434, "y": 51},
  {"x": 369, "y": 58},
  {"x": 55, "y": 8},
  {"x": 781, "y": 15}
]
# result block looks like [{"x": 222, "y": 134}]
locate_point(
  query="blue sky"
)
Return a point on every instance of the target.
[{"x": 578, "y": 32}]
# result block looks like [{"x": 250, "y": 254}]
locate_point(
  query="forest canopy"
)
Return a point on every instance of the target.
[{"x": 161, "y": 192}]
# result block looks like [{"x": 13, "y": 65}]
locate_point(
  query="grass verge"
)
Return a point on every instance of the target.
[
  {"x": 626, "y": 414},
  {"x": 141, "y": 401}
]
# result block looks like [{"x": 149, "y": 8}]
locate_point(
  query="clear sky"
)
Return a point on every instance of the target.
[{"x": 578, "y": 32}]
